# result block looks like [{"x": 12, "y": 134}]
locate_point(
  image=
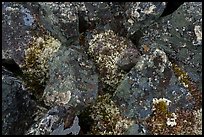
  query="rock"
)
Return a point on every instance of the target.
[
  {"x": 179, "y": 36},
  {"x": 17, "y": 25},
  {"x": 27, "y": 43},
  {"x": 95, "y": 14},
  {"x": 107, "y": 119},
  {"x": 73, "y": 80},
  {"x": 136, "y": 129},
  {"x": 61, "y": 19},
  {"x": 18, "y": 106},
  {"x": 123, "y": 18},
  {"x": 73, "y": 86},
  {"x": 139, "y": 15},
  {"x": 150, "y": 80},
  {"x": 52, "y": 124},
  {"x": 33, "y": 32}
]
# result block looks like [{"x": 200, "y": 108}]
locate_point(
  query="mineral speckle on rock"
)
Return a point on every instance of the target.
[{"x": 73, "y": 80}]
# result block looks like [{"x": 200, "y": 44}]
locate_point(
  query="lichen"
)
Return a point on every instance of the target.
[
  {"x": 180, "y": 122},
  {"x": 106, "y": 47},
  {"x": 186, "y": 81},
  {"x": 36, "y": 60},
  {"x": 107, "y": 118},
  {"x": 161, "y": 116}
]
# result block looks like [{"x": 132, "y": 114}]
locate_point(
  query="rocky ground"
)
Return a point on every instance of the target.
[{"x": 102, "y": 68}]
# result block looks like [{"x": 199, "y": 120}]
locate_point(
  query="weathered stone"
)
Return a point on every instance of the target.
[
  {"x": 141, "y": 14},
  {"x": 153, "y": 78},
  {"x": 18, "y": 106},
  {"x": 106, "y": 117},
  {"x": 73, "y": 80},
  {"x": 17, "y": 23},
  {"x": 27, "y": 43},
  {"x": 136, "y": 129},
  {"x": 179, "y": 35},
  {"x": 95, "y": 14},
  {"x": 52, "y": 123},
  {"x": 61, "y": 19}
]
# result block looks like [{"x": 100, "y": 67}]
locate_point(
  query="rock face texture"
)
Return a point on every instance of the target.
[
  {"x": 101, "y": 68},
  {"x": 18, "y": 106}
]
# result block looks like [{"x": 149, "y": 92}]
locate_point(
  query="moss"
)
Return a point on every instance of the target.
[{"x": 157, "y": 122}]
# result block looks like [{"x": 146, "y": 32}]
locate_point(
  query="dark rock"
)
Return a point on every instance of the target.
[
  {"x": 139, "y": 15},
  {"x": 18, "y": 107},
  {"x": 61, "y": 19},
  {"x": 52, "y": 123},
  {"x": 171, "y": 7},
  {"x": 73, "y": 80},
  {"x": 180, "y": 36},
  {"x": 153, "y": 78}
]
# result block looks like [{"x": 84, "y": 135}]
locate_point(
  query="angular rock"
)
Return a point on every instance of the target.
[
  {"x": 61, "y": 19},
  {"x": 52, "y": 123},
  {"x": 179, "y": 35},
  {"x": 153, "y": 78},
  {"x": 123, "y": 18},
  {"x": 95, "y": 14},
  {"x": 18, "y": 106},
  {"x": 73, "y": 81},
  {"x": 141, "y": 14},
  {"x": 26, "y": 41},
  {"x": 17, "y": 24}
]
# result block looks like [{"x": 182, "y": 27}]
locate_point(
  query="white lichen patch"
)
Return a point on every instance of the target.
[
  {"x": 38, "y": 55},
  {"x": 198, "y": 33},
  {"x": 150, "y": 10},
  {"x": 148, "y": 61},
  {"x": 27, "y": 17},
  {"x": 171, "y": 121},
  {"x": 198, "y": 125},
  {"x": 61, "y": 98}
]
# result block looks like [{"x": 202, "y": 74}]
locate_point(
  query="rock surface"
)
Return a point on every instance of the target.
[
  {"x": 18, "y": 106},
  {"x": 102, "y": 68}
]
